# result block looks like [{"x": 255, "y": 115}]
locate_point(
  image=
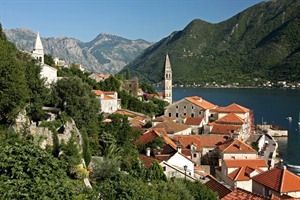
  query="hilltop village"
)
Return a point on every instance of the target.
[{"x": 191, "y": 139}]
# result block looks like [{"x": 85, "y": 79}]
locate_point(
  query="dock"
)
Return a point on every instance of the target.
[{"x": 273, "y": 131}]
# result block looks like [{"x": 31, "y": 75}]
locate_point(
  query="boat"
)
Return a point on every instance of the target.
[
  {"x": 299, "y": 119},
  {"x": 290, "y": 119},
  {"x": 294, "y": 167}
]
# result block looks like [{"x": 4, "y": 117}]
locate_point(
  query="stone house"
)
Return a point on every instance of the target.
[
  {"x": 109, "y": 101},
  {"x": 98, "y": 77},
  {"x": 195, "y": 107},
  {"x": 131, "y": 86}
]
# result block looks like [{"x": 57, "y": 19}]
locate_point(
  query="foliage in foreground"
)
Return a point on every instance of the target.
[{"x": 29, "y": 172}]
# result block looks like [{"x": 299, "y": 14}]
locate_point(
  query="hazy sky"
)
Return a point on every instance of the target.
[{"x": 151, "y": 20}]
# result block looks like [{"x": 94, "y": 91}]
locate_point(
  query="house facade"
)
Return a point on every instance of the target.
[
  {"x": 109, "y": 101},
  {"x": 195, "y": 107}
]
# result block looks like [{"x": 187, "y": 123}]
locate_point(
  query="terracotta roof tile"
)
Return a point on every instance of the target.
[
  {"x": 240, "y": 194},
  {"x": 231, "y": 118},
  {"x": 215, "y": 186},
  {"x": 97, "y": 92},
  {"x": 234, "y": 108},
  {"x": 246, "y": 162},
  {"x": 193, "y": 121},
  {"x": 225, "y": 129},
  {"x": 200, "y": 140},
  {"x": 172, "y": 127},
  {"x": 148, "y": 160},
  {"x": 235, "y": 146},
  {"x": 279, "y": 179},
  {"x": 243, "y": 173},
  {"x": 200, "y": 102},
  {"x": 163, "y": 118}
]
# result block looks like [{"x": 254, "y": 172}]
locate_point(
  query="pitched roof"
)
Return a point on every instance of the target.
[
  {"x": 243, "y": 173},
  {"x": 216, "y": 186},
  {"x": 234, "y": 108},
  {"x": 163, "y": 118},
  {"x": 193, "y": 121},
  {"x": 153, "y": 134},
  {"x": 172, "y": 127},
  {"x": 148, "y": 160},
  {"x": 97, "y": 92},
  {"x": 279, "y": 179},
  {"x": 235, "y": 146},
  {"x": 199, "y": 140},
  {"x": 240, "y": 194},
  {"x": 200, "y": 102},
  {"x": 224, "y": 129},
  {"x": 231, "y": 118},
  {"x": 246, "y": 162}
]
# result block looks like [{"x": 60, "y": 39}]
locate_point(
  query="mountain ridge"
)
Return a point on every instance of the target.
[
  {"x": 105, "y": 53},
  {"x": 259, "y": 43}
]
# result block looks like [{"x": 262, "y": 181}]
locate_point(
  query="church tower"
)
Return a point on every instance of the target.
[
  {"x": 38, "y": 51},
  {"x": 167, "y": 81}
]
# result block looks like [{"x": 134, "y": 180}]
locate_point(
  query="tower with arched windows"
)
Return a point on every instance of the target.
[{"x": 167, "y": 81}]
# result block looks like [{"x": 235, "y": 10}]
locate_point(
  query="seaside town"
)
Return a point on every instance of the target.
[{"x": 220, "y": 147}]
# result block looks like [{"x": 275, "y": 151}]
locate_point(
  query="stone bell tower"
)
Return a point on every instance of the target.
[
  {"x": 38, "y": 51},
  {"x": 167, "y": 81}
]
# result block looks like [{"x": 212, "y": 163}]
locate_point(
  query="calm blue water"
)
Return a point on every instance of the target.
[{"x": 269, "y": 105}]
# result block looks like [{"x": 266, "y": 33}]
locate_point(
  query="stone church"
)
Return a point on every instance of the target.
[{"x": 47, "y": 72}]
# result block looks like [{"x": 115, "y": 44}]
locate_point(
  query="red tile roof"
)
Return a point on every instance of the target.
[
  {"x": 279, "y": 179},
  {"x": 172, "y": 127},
  {"x": 199, "y": 140},
  {"x": 153, "y": 134},
  {"x": 246, "y": 163},
  {"x": 215, "y": 186},
  {"x": 163, "y": 118},
  {"x": 234, "y": 108},
  {"x": 193, "y": 121},
  {"x": 225, "y": 129},
  {"x": 235, "y": 146},
  {"x": 97, "y": 92},
  {"x": 200, "y": 102},
  {"x": 231, "y": 118},
  {"x": 148, "y": 160},
  {"x": 243, "y": 173},
  {"x": 240, "y": 194}
]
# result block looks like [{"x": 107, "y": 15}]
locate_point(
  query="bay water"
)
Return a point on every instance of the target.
[{"x": 270, "y": 106}]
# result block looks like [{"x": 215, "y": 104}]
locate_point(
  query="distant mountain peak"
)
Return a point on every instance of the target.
[{"x": 107, "y": 53}]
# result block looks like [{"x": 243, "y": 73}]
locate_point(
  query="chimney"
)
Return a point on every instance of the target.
[
  {"x": 179, "y": 148},
  {"x": 148, "y": 151}
]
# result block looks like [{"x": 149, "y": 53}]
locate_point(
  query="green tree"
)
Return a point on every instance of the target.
[
  {"x": 29, "y": 172},
  {"x": 48, "y": 59},
  {"x": 13, "y": 87},
  {"x": 127, "y": 73},
  {"x": 156, "y": 172},
  {"x": 76, "y": 98}
]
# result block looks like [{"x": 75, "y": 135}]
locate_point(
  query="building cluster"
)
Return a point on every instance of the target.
[{"x": 197, "y": 140}]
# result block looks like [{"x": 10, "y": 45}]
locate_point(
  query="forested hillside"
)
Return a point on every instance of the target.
[{"x": 261, "y": 43}]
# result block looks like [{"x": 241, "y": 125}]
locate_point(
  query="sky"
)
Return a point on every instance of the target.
[{"x": 151, "y": 20}]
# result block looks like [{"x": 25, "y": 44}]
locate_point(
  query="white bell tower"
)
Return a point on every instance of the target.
[
  {"x": 167, "y": 81},
  {"x": 38, "y": 51}
]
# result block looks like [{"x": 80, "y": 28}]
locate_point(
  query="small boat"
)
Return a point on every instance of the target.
[
  {"x": 294, "y": 167},
  {"x": 290, "y": 119}
]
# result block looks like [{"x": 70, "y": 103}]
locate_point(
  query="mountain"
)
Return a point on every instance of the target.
[
  {"x": 260, "y": 43},
  {"x": 106, "y": 53}
]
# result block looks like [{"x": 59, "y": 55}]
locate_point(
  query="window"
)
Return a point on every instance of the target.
[
  {"x": 232, "y": 157},
  {"x": 176, "y": 114},
  {"x": 164, "y": 168},
  {"x": 192, "y": 115},
  {"x": 200, "y": 113},
  {"x": 195, "y": 155},
  {"x": 192, "y": 107},
  {"x": 170, "y": 114},
  {"x": 184, "y": 107},
  {"x": 176, "y": 106},
  {"x": 184, "y": 113}
]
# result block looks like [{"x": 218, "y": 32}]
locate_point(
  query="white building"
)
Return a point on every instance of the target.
[
  {"x": 47, "y": 72},
  {"x": 109, "y": 101}
]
